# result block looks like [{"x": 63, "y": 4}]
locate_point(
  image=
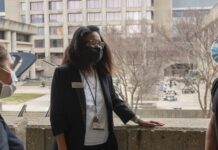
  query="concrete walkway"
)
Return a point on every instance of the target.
[{"x": 39, "y": 104}]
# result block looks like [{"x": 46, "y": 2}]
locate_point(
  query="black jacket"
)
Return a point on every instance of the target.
[{"x": 68, "y": 107}]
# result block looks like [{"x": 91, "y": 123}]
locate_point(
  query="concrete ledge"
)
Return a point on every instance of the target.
[{"x": 178, "y": 134}]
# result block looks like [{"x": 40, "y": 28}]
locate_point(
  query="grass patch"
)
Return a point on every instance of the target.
[{"x": 20, "y": 98}]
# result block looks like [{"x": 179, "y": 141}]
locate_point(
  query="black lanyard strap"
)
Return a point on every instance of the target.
[{"x": 94, "y": 97}]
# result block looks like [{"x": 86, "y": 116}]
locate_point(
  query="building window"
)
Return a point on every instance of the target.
[
  {"x": 23, "y": 18},
  {"x": 149, "y": 15},
  {"x": 39, "y": 43},
  {"x": 113, "y": 3},
  {"x": 75, "y": 17},
  {"x": 2, "y": 35},
  {"x": 150, "y": 3},
  {"x": 36, "y": 5},
  {"x": 56, "y": 30},
  {"x": 55, "y": 18},
  {"x": 114, "y": 29},
  {"x": 72, "y": 29},
  {"x": 133, "y": 3},
  {"x": 133, "y": 29},
  {"x": 40, "y": 55},
  {"x": 41, "y": 31},
  {"x": 133, "y": 15},
  {"x": 74, "y": 4},
  {"x": 113, "y": 16},
  {"x": 94, "y": 16},
  {"x": 54, "y": 43},
  {"x": 2, "y": 6},
  {"x": 37, "y": 18},
  {"x": 55, "y": 5},
  {"x": 23, "y": 6},
  {"x": 23, "y": 37},
  {"x": 94, "y": 4}
]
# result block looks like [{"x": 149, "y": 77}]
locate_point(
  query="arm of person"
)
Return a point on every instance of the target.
[
  {"x": 211, "y": 139},
  {"x": 61, "y": 142},
  {"x": 125, "y": 113},
  {"x": 57, "y": 110}
]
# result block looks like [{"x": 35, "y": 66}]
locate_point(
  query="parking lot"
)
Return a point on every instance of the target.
[{"x": 184, "y": 101}]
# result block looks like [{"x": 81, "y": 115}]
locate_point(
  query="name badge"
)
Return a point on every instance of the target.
[{"x": 77, "y": 85}]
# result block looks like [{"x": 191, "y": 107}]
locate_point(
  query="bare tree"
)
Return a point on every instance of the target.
[
  {"x": 193, "y": 40},
  {"x": 136, "y": 67}
]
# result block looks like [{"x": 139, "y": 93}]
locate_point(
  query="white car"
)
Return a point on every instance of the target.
[{"x": 170, "y": 97}]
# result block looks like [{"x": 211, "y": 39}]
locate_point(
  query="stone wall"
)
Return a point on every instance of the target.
[{"x": 177, "y": 134}]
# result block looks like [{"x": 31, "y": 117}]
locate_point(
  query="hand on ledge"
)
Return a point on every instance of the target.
[{"x": 149, "y": 124}]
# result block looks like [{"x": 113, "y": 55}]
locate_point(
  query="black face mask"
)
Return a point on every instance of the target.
[{"x": 91, "y": 54}]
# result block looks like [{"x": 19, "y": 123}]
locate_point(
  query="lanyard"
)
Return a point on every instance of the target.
[{"x": 94, "y": 97}]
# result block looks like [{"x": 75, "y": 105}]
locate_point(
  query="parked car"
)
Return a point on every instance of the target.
[
  {"x": 188, "y": 90},
  {"x": 171, "y": 92},
  {"x": 170, "y": 97}
]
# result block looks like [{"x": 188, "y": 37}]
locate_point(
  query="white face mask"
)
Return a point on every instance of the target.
[{"x": 8, "y": 90}]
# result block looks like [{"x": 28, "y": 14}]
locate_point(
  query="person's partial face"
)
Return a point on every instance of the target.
[
  {"x": 93, "y": 40},
  {"x": 7, "y": 63}
]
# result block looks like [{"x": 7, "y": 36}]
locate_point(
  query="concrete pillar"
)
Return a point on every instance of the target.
[
  {"x": 84, "y": 10},
  {"x": 14, "y": 41},
  {"x": 65, "y": 25},
  {"x": 8, "y": 38},
  {"x": 104, "y": 15},
  {"x": 33, "y": 71},
  {"x": 46, "y": 22},
  {"x": 33, "y": 67},
  {"x": 27, "y": 11}
]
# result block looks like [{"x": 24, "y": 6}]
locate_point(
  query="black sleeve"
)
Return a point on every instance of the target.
[
  {"x": 120, "y": 107},
  {"x": 57, "y": 107},
  {"x": 215, "y": 102}
]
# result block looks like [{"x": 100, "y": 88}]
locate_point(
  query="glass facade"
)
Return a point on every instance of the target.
[
  {"x": 133, "y": 3},
  {"x": 23, "y": 6},
  {"x": 114, "y": 28},
  {"x": 193, "y": 3},
  {"x": 56, "y": 18},
  {"x": 23, "y": 18},
  {"x": 2, "y": 35},
  {"x": 113, "y": 16},
  {"x": 55, "y": 5},
  {"x": 75, "y": 17},
  {"x": 131, "y": 29},
  {"x": 55, "y": 43},
  {"x": 94, "y": 16},
  {"x": 114, "y": 3},
  {"x": 135, "y": 15},
  {"x": 41, "y": 31},
  {"x": 2, "y": 5},
  {"x": 72, "y": 29},
  {"x": 150, "y": 15},
  {"x": 57, "y": 30},
  {"x": 93, "y": 3},
  {"x": 39, "y": 18},
  {"x": 76, "y": 4},
  {"x": 39, "y": 43},
  {"x": 23, "y": 37},
  {"x": 36, "y": 6}
]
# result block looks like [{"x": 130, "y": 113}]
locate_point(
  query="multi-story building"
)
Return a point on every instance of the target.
[
  {"x": 16, "y": 36},
  {"x": 57, "y": 19},
  {"x": 181, "y": 9}
]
